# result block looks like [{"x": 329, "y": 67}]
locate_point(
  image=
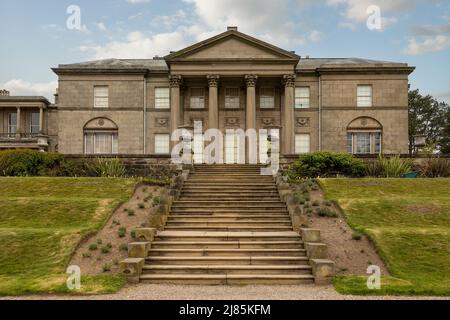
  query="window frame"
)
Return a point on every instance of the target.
[
  {"x": 374, "y": 148},
  {"x": 297, "y": 98},
  {"x": 201, "y": 98},
  {"x": 38, "y": 125},
  {"x": 96, "y": 95},
  {"x": 113, "y": 135},
  {"x": 10, "y": 125},
  {"x": 272, "y": 106},
  {"x": 238, "y": 97},
  {"x": 162, "y": 98},
  {"x": 361, "y": 104},
  {"x": 296, "y": 147},
  {"x": 156, "y": 146}
]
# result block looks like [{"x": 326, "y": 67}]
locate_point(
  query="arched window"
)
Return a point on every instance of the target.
[
  {"x": 101, "y": 136},
  {"x": 364, "y": 136}
]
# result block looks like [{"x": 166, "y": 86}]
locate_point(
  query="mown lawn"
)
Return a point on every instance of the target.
[
  {"x": 408, "y": 220},
  {"x": 41, "y": 222}
]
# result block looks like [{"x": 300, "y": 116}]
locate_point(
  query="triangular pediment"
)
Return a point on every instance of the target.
[{"x": 232, "y": 45}]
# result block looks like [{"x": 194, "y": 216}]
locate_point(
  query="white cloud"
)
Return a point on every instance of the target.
[
  {"x": 139, "y": 46},
  {"x": 428, "y": 45},
  {"x": 101, "y": 26},
  {"x": 315, "y": 36},
  {"x": 137, "y": 1},
  {"x": 22, "y": 87}
]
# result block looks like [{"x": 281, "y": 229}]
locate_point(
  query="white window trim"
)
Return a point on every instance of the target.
[
  {"x": 10, "y": 125},
  {"x": 260, "y": 98},
  {"x": 156, "y": 98},
  {"x": 190, "y": 98},
  {"x": 372, "y": 142},
  {"x": 38, "y": 125},
  {"x": 298, "y": 147},
  {"x": 116, "y": 134},
  {"x": 296, "y": 98},
  {"x": 95, "y": 97},
  {"x": 358, "y": 96},
  {"x": 238, "y": 97},
  {"x": 166, "y": 136}
]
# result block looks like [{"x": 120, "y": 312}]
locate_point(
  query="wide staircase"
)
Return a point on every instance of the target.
[{"x": 228, "y": 227}]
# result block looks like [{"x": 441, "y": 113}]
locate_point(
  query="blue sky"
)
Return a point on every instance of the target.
[{"x": 35, "y": 36}]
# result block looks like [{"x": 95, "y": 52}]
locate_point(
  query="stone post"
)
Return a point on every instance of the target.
[
  {"x": 18, "y": 123},
  {"x": 41, "y": 119},
  {"x": 287, "y": 116},
  {"x": 213, "y": 118}
]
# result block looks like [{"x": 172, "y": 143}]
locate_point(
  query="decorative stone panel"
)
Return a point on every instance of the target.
[{"x": 303, "y": 122}]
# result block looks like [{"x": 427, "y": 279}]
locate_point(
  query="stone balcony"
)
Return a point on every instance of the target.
[{"x": 23, "y": 141}]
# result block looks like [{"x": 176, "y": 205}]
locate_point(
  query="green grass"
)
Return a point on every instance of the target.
[
  {"x": 408, "y": 220},
  {"x": 42, "y": 220}
]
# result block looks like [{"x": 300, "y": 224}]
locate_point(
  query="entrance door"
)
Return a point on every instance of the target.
[{"x": 232, "y": 148}]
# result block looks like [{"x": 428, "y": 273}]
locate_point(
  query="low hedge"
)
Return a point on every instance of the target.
[{"x": 326, "y": 164}]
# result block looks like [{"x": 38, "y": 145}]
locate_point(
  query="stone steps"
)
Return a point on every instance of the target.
[
  {"x": 227, "y": 244},
  {"x": 228, "y": 226}
]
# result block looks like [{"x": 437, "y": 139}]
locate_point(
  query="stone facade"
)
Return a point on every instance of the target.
[{"x": 256, "y": 72}]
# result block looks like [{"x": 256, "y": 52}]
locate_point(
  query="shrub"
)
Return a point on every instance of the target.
[
  {"x": 106, "y": 267},
  {"x": 156, "y": 201},
  {"x": 162, "y": 182},
  {"x": 326, "y": 164},
  {"x": 436, "y": 168},
  {"x": 133, "y": 234},
  {"x": 374, "y": 169},
  {"x": 93, "y": 247},
  {"x": 123, "y": 247},
  {"x": 109, "y": 168},
  {"x": 316, "y": 203},
  {"x": 141, "y": 206},
  {"x": 130, "y": 212},
  {"x": 30, "y": 163},
  {"x": 122, "y": 232},
  {"x": 394, "y": 167},
  {"x": 326, "y": 212},
  {"x": 99, "y": 241},
  {"x": 86, "y": 255},
  {"x": 328, "y": 203},
  {"x": 105, "y": 249}
]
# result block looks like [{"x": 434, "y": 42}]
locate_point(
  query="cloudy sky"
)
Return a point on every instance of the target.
[{"x": 38, "y": 35}]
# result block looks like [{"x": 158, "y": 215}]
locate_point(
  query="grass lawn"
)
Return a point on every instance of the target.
[
  {"x": 41, "y": 222},
  {"x": 408, "y": 220}
]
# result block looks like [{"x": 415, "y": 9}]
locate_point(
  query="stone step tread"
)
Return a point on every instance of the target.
[
  {"x": 231, "y": 201},
  {"x": 229, "y": 258},
  {"x": 225, "y": 276},
  {"x": 226, "y": 234},
  {"x": 222, "y": 220},
  {"x": 160, "y": 242},
  {"x": 229, "y": 267},
  {"x": 234, "y": 215},
  {"x": 239, "y": 250},
  {"x": 229, "y": 228}
]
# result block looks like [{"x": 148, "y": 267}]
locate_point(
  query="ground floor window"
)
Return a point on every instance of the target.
[
  {"x": 162, "y": 144},
  {"x": 101, "y": 142},
  {"x": 364, "y": 142},
  {"x": 35, "y": 125},
  {"x": 302, "y": 143},
  {"x": 12, "y": 123}
]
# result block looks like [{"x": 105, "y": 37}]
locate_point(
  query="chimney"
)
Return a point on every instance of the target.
[
  {"x": 307, "y": 57},
  {"x": 4, "y": 93},
  {"x": 56, "y": 96},
  {"x": 232, "y": 28}
]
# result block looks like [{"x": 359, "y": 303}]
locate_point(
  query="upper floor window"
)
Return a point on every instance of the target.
[
  {"x": 101, "y": 97},
  {"x": 197, "y": 98},
  {"x": 35, "y": 123},
  {"x": 162, "y": 98},
  {"x": 302, "y": 143},
  {"x": 162, "y": 144},
  {"x": 302, "y": 98},
  {"x": 364, "y": 96},
  {"x": 267, "y": 98},
  {"x": 231, "y": 98}
]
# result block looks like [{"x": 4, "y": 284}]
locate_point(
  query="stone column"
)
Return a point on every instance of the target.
[
  {"x": 41, "y": 119},
  {"x": 213, "y": 118},
  {"x": 250, "y": 114},
  {"x": 18, "y": 124},
  {"x": 175, "y": 83},
  {"x": 287, "y": 116}
]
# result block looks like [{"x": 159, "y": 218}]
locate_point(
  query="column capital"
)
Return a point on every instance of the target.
[
  {"x": 251, "y": 79},
  {"x": 213, "y": 80},
  {"x": 289, "y": 80},
  {"x": 175, "y": 80}
]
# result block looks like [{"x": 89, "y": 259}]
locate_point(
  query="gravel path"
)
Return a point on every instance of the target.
[{"x": 179, "y": 292}]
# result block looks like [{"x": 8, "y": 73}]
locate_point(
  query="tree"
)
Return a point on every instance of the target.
[
  {"x": 426, "y": 117},
  {"x": 444, "y": 143}
]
